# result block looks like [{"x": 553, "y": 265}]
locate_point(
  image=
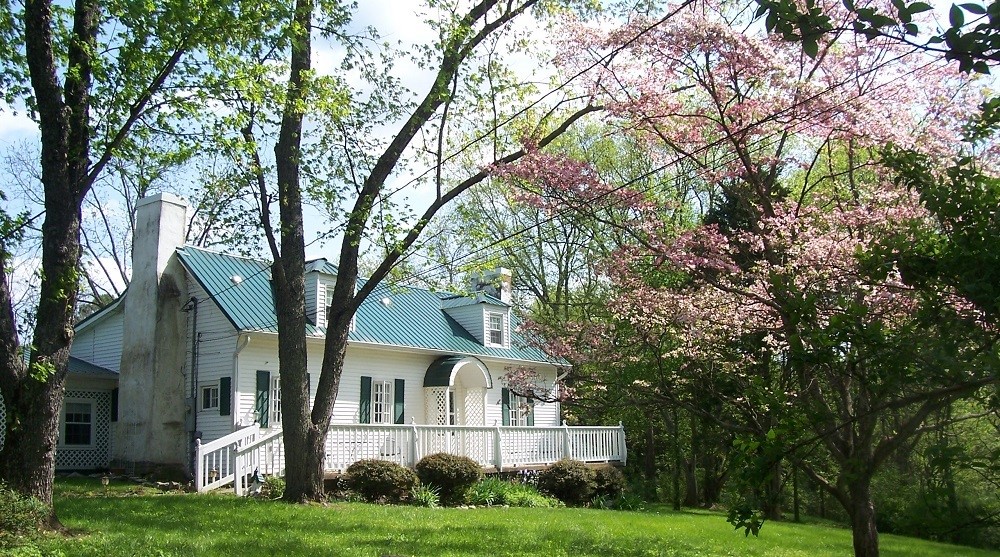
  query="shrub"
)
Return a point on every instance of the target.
[
  {"x": 494, "y": 491},
  {"x": 609, "y": 481},
  {"x": 452, "y": 474},
  {"x": 488, "y": 491},
  {"x": 380, "y": 480},
  {"x": 425, "y": 496},
  {"x": 570, "y": 481},
  {"x": 273, "y": 488},
  {"x": 20, "y": 517}
]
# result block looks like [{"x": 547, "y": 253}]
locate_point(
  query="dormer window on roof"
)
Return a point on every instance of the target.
[{"x": 496, "y": 328}]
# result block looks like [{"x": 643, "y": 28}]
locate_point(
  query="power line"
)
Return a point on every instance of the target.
[
  {"x": 772, "y": 137},
  {"x": 569, "y": 210}
]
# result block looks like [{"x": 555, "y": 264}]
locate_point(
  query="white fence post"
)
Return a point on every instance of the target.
[
  {"x": 413, "y": 443},
  {"x": 622, "y": 448},
  {"x": 497, "y": 448},
  {"x": 198, "y": 482},
  {"x": 567, "y": 447},
  {"x": 238, "y": 473}
]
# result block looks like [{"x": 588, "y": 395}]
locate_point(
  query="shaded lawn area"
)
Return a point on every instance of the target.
[{"x": 130, "y": 521}]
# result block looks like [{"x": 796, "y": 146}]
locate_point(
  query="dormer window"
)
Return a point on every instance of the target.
[
  {"x": 328, "y": 305},
  {"x": 496, "y": 328}
]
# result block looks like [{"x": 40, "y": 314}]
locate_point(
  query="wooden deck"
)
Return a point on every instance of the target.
[{"x": 236, "y": 456}]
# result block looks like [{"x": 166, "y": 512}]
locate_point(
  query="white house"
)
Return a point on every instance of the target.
[{"x": 193, "y": 346}]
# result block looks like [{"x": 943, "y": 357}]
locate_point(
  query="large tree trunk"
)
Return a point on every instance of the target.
[
  {"x": 691, "y": 467},
  {"x": 33, "y": 395},
  {"x": 303, "y": 439},
  {"x": 772, "y": 494},
  {"x": 28, "y": 456},
  {"x": 862, "y": 513},
  {"x": 714, "y": 480},
  {"x": 649, "y": 459}
]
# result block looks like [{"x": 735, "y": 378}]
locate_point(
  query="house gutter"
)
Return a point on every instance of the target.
[
  {"x": 194, "y": 377},
  {"x": 236, "y": 375}
]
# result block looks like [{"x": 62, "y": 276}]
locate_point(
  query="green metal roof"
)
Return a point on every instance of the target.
[
  {"x": 439, "y": 372},
  {"x": 412, "y": 319}
]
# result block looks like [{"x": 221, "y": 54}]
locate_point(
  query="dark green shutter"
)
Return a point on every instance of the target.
[
  {"x": 114, "y": 404},
  {"x": 225, "y": 396},
  {"x": 397, "y": 401},
  {"x": 505, "y": 405},
  {"x": 263, "y": 402},
  {"x": 365, "y": 408},
  {"x": 531, "y": 413}
]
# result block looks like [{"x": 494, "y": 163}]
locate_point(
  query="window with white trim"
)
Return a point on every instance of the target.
[
  {"x": 328, "y": 303},
  {"x": 78, "y": 423},
  {"x": 520, "y": 407},
  {"x": 209, "y": 397},
  {"x": 275, "y": 405},
  {"x": 495, "y": 333},
  {"x": 328, "y": 297},
  {"x": 382, "y": 402}
]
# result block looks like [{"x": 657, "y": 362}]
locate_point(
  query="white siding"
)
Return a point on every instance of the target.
[
  {"x": 260, "y": 354},
  {"x": 546, "y": 413},
  {"x": 504, "y": 326},
  {"x": 313, "y": 301},
  {"x": 379, "y": 364},
  {"x": 382, "y": 365},
  {"x": 215, "y": 360},
  {"x": 101, "y": 342}
]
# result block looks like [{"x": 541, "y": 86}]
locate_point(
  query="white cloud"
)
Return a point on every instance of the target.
[{"x": 16, "y": 128}]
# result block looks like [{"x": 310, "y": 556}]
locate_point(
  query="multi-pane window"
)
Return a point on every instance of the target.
[
  {"x": 329, "y": 304},
  {"x": 382, "y": 402},
  {"x": 496, "y": 328},
  {"x": 275, "y": 410},
  {"x": 326, "y": 306},
  {"x": 78, "y": 423},
  {"x": 519, "y": 410},
  {"x": 209, "y": 397}
]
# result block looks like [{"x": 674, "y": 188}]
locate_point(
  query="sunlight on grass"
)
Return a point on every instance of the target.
[{"x": 122, "y": 522}]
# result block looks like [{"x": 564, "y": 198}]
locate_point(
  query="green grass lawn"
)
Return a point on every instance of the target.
[{"x": 131, "y": 521}]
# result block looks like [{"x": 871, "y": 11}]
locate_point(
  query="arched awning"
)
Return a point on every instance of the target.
[{"x": 441, "y": 372}]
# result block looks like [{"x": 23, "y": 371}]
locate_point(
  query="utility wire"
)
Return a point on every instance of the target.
[
  {"x": 773, "y": 137},
  {"x": 477, "y": 255}
]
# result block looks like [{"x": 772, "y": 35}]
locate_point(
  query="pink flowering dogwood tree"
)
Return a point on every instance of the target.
[{"x": 787, "y": 304}]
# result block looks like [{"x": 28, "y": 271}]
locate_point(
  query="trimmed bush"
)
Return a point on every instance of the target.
[
  {"x": 609, "y": 481},
  {"x": 20, "y": 517},
  {"x": 452, "y": 474},
  {"x": 570, "y": 481},
  {"x": 380, "y": 481}
]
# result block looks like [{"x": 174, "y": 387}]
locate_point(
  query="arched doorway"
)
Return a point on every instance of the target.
[{"x": 455, "y": 391}]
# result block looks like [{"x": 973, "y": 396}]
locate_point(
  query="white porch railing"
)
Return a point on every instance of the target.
[
  {"x": 215, "y": 461},
  {"x": 236, "y": 456}
]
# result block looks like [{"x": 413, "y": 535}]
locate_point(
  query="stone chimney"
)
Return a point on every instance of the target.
[
  {"x": 497, "y": 283},
  {"x": 150, "y": 433}
]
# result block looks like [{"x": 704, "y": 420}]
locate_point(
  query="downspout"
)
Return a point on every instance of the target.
[
  {"x": 194, "y": 376},
  {"x": 236, "y": 377}
]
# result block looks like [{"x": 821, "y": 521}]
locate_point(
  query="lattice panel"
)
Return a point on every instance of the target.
[
  {"x": 475, "y": 407},
  {"x": 95, "y": 456},
  {"x": 436, "y": 405}
]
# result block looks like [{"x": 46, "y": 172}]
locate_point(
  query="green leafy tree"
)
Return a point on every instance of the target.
[
  {"x": 363, "y": 201},
  {"x": 91, "y": 74}
]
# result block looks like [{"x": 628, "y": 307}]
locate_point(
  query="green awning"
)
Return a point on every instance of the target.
[{"x": 440, "y": 371}]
